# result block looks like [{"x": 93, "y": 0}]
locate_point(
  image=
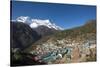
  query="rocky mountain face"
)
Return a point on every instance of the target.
[{"x": 22, "y": 35}]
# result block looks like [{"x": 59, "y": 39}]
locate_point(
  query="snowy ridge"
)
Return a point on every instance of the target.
[
  {"x": 24, "y": 19},
  {"x": 34, "y": 23}
]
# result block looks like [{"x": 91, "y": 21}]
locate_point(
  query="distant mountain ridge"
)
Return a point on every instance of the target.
[
  {"x": 35, "y": 23},
  {"x": 88, "y": 28},
  {"x": 42, "y": 27}
]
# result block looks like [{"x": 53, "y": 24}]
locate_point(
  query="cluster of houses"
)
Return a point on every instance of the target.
[{"x": 74, "y": 51}]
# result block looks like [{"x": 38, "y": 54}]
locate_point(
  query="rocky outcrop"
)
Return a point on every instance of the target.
[{"x": 45, "y": 31}]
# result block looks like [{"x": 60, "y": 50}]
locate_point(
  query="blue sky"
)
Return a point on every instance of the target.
[{"x": 64, "y": 15}]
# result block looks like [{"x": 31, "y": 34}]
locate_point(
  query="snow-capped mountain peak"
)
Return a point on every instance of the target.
[
  {"x": 39, "y": 22},
  {"x": 34, "y": 23},
  {"x": 24, "y": 19}
]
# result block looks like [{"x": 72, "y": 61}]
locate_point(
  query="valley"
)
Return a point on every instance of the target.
[{"x": 64, "y": 46}]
